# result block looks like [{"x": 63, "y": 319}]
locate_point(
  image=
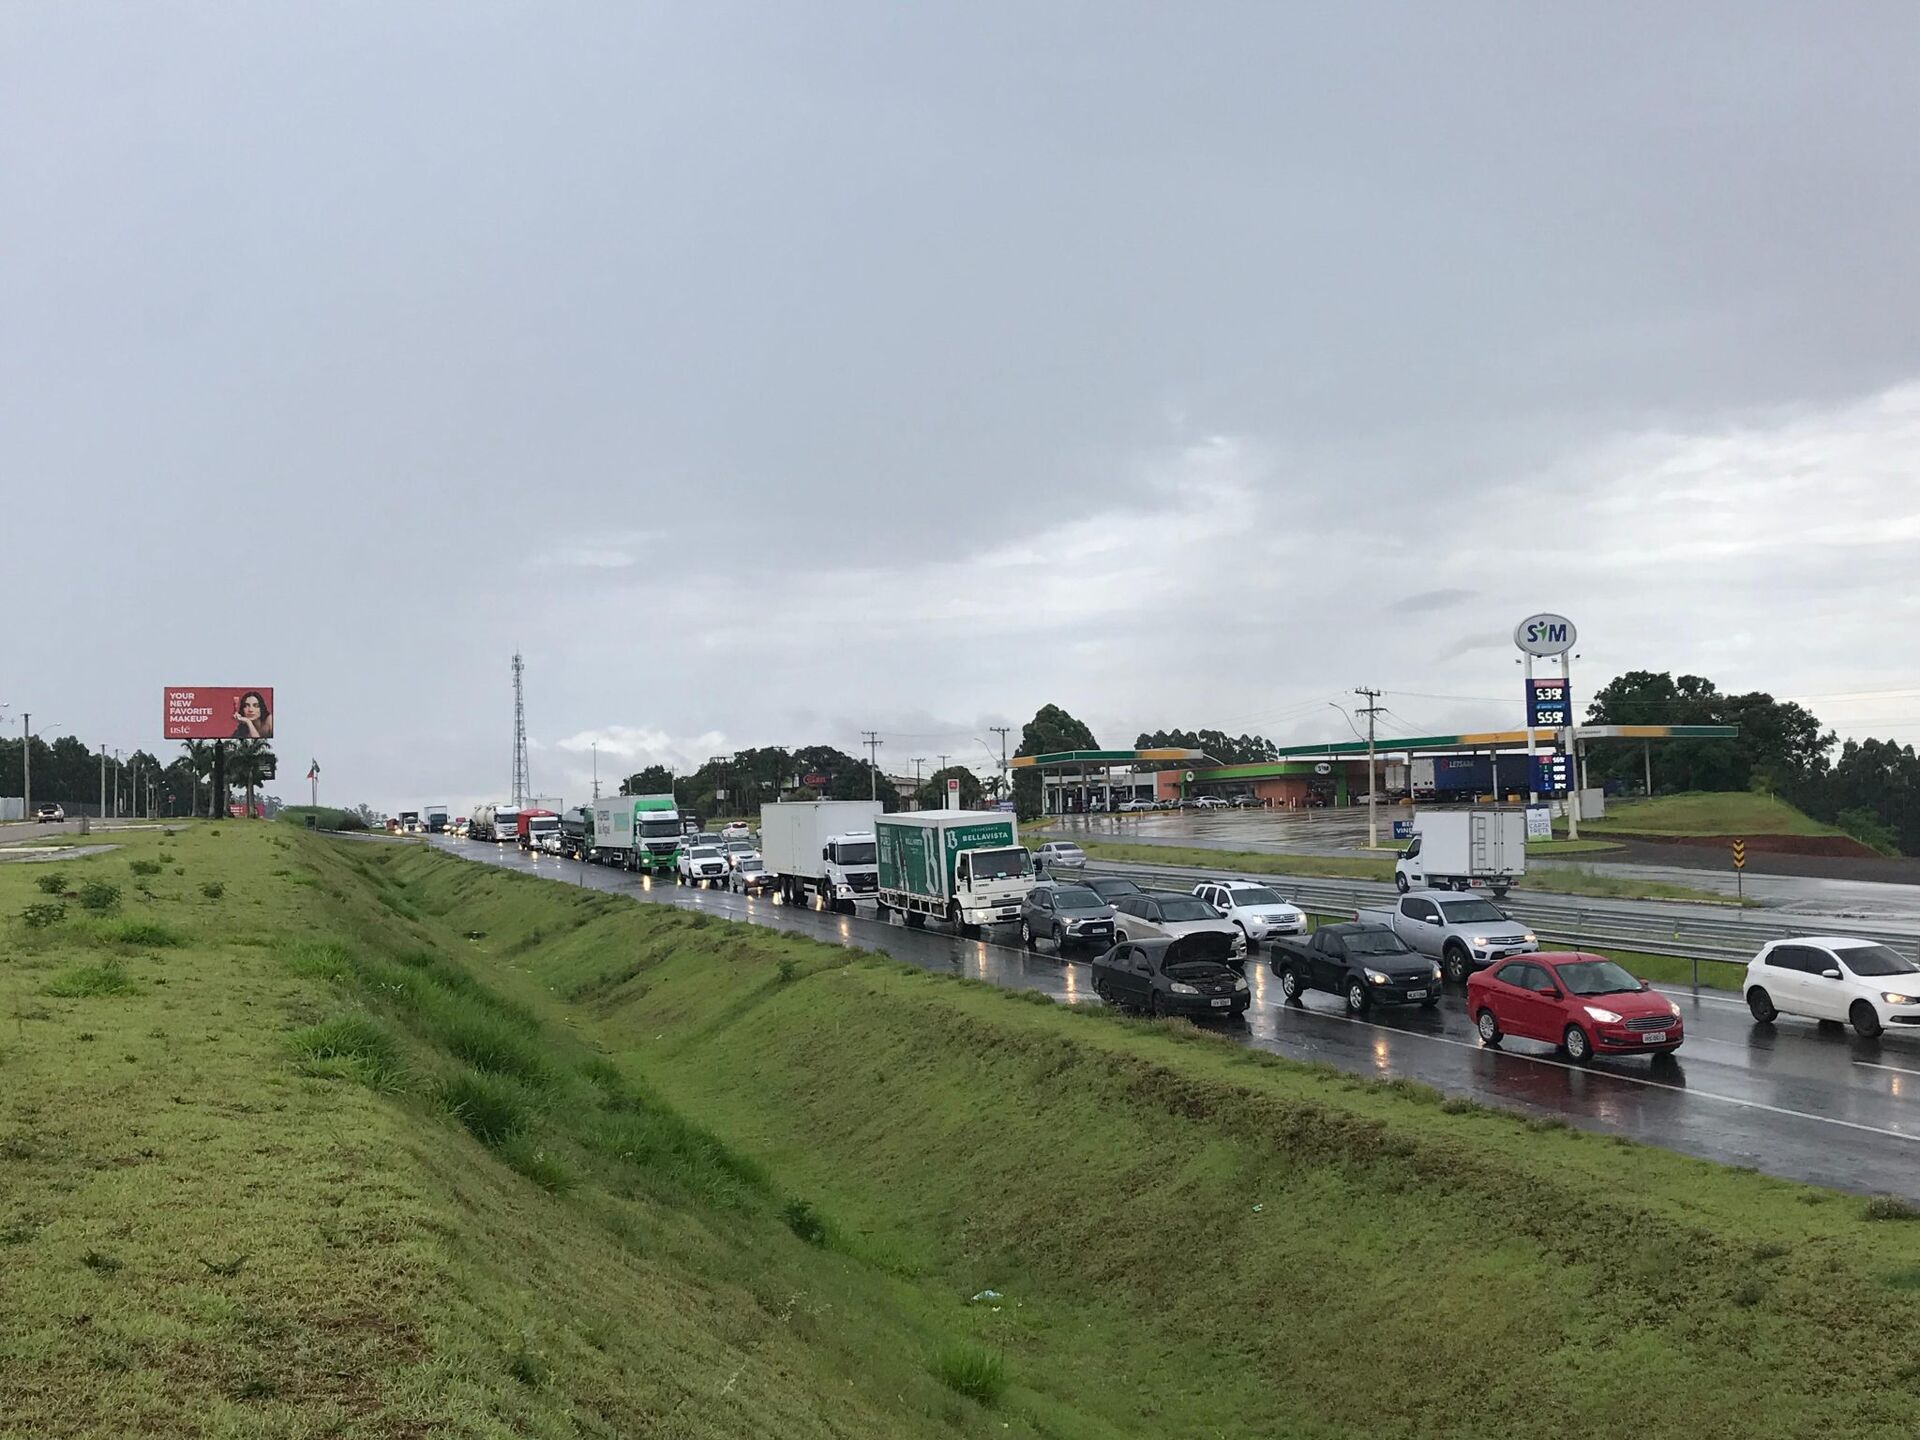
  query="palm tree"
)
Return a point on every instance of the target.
[{"x": 252, "y": 764}]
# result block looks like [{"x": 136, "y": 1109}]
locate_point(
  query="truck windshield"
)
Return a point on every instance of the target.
[
  {"x": 999, "y": 864},
  {"x": 858, "y": 852},
  {"x": 660, "y": 829},
  {"x": 1470, "y": 912},
  {"x": 543, "y": 822}
]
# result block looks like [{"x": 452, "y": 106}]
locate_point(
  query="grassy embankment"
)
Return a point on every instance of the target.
[
  {"x": 1705, "y": 813},
  {"x": 371, "y": 1141}
]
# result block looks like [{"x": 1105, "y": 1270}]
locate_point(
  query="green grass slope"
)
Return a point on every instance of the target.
[
  {"x": 1706, "y": 813},
  {"x": 308, "y": 1137}
]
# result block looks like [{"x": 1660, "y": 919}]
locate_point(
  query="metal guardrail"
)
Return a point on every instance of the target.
[{"x": 1729, "y": 940}]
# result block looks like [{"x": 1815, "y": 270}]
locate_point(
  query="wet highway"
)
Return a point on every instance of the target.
[{"x": 1796, "y": 1100}]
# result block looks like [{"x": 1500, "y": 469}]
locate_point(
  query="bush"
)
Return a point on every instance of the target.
[
  {"x": 99, "y": 896},
  {"x": 788, "y": 968},
  {"x": 144, "y": 932},
  {"x": 493, "y": 1108},
  {"x": 43, "y": 914},
  {"x": 144, "y": 867},
  {"x": 1869, "y": 830},
  {"x": 972, "y": 1370},
  {"x": 1889, "y": 1207},
  {"x": 354, "y": 1045},
  {"x": 213, "y": 889},
  {"x": 804, "y": 1222},
  {"x": 84, "y": 980},
  {"x": 52, "y": 883}
]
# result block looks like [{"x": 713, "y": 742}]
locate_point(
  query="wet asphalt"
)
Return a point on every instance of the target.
[{"x": 1798, "y": 1100}]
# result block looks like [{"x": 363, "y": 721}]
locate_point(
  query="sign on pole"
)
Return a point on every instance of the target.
[
  {"x": 1545, "y": 635},
  {"x": 1548, "y": 705},
  {"x": 953, "y": 792},
  {"x": 1740, "y": 869},
  {"x": 1739, "y": 854},
  {"x": 1539, "y": 822}
]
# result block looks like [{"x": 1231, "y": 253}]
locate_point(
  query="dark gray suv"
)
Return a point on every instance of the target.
[{"x": 1066, "y": 915}]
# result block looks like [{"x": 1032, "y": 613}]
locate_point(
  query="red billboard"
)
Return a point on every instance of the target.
[{"x": 219, "y": 712}]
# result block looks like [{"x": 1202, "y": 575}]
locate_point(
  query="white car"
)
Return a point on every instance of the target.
[
  {"x": 1831, "y": 977},
  {"x": 1257, "y": 912},
  {"x": 1134, "y": 807},
  {"x": 1209, "y": 802},
  {"x": 703, "y": 865},
  {"x": 1167, "y": 915},
  {"x": 48, "y": 813},
  {"x": 736, "y": 831},
  {"x": 738, "y": 850},
  {"x": 750, "y": 876},
  {"x": 1062, "y": 853}
]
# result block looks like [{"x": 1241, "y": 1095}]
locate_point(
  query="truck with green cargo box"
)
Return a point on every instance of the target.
[
  {"x": 637, "y": 832},
  {"x": 966, "y": 867}
]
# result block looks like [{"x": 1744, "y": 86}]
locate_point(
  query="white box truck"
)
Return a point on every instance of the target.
[
  {"x": 820, "y": 847},
  {"x": 963, "y": 866},
  {"x": 1464, "y": 850}
]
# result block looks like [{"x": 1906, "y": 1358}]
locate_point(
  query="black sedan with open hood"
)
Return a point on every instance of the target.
[{"x": 1194, "y": 975}]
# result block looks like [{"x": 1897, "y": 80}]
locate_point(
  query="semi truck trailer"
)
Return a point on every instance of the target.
[
  {"x": 966, "y": 867},
  {"x": 637, "y": 832},
  {"x": 821, "y": 847}
]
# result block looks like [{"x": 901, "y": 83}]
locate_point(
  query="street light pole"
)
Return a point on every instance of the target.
[{"x": 1371, "y": 709}]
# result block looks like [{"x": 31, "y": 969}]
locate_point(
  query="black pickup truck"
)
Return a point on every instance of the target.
[{"x": 1367, "y": 965}]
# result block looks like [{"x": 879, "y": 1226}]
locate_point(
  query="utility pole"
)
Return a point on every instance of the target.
[
  {"x": 1001, "y": 731},
  {"x": 26, "y": 763},
  {"x": 1371, "y": 710},
  {"x": 871, "y": 739},
  {"x": 596, "y": 770},
  {"x": 103, "y": 782},
  {"x": 918, "y": 761},
  {"x": 943, "y": 764}
]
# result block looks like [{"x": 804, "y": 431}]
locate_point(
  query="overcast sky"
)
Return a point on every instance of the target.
[{"x": 767, "y": 373}]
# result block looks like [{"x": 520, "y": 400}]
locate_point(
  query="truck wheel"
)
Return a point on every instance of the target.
[
  {"x": 1358, "y": 1000},
  {"x": 1400, "y": 882},
  {"x": 1290, "y": 984},
  {"x": 1457, "y": 962}
]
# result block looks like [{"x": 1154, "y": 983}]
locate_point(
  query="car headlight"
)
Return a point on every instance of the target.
[
  {"x": 1674, "y": 1008},
  {"x": 1605, "y": 1017},
  {"x": 1180, "y": 987},
  {"x": 1436, "y": 973},
  {"x": 1893, "y": 999},
  {"x": 1529, "y": 938},
  {"x": 1376, "y": 977},
  {"x": 1240, "y": 984},
  {"x": 1480, "y": 941}
]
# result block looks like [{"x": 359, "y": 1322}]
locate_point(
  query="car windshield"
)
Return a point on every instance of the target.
[
  {"x": 859, "y": 852},
  {"x": 1470, "y": 912},
  {"x": 998, "y": 864},
  {"x": 544, "y": 822},
  {"x": 1254, "y": 895},
  {"x": 660, "y": 829},
  {"x": 1077, "y": 897},
  {"x": 1185, "y": 907},
  {"x": 1595, "y": 977},
  {"x": 1375, "y": 942},
  {"x": 1877, "y": 960}
]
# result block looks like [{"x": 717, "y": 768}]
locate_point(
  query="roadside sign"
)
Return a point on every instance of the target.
[
  {"x": 1403, "y": 829},
  {"x": 1739, "y": 854},
  {"x": 1548, "y": 705},
  {"x": 1539, "y": 822},
  {"x": 953, "y": 792},
  {"x": 1552, "y": 774},
  {"x": 1545, "y": 635}
]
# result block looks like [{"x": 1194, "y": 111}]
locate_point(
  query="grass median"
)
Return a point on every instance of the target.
[{"x": 373, "y": 1141}]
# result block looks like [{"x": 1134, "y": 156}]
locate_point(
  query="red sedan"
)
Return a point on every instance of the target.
[{"x": 1585, "y": 1004}]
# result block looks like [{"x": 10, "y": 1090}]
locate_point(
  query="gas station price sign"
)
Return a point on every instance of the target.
[{"x": 1548, "y": 705}]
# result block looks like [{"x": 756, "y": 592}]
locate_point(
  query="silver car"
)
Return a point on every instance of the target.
[
  {"x": 1062, "y": 855},
  {"x": 1066, "y": 915},
  {"x": 1167, "y": 915}
]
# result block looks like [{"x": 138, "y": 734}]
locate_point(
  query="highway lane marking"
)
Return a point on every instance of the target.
[
  {"x": 1476, "y": 1046},
  {"x": 1898, "y": 1069},
  {"x": 1473, "y": 1045}
]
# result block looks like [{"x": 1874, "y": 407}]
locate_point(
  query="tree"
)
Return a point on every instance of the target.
[
  {"x": 1875, "y": 778},
  {"x": 1781, "y": 745},
  {"x": 1228, "y": 750},
  {"x": 1051, "y": 731},
  {"x": 654, "y": 780},
  {"x": 252, "y": 764},
  {"x": 933, "y": 794}
]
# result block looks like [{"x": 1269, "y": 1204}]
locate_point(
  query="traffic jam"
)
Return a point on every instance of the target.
[{"x": 1185, "y": 953}]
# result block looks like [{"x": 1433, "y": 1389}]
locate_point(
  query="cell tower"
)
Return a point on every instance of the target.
[{"x": 521, "y": 785}]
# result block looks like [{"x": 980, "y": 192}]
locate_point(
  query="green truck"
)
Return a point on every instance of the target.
[
  {"x": 966, "y": 867},
  {"x": 637, "y": 832}
]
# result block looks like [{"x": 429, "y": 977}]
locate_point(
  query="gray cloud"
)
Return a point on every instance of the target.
[{"x": 761, "y": 376}]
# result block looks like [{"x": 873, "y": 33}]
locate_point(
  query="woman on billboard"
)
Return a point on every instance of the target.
[{"x": 252, "y": 720}]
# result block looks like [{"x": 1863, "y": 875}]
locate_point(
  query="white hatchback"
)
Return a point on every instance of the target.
[{"x": 1832, "y": 977}]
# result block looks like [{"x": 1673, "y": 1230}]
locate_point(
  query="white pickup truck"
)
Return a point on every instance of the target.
[{"x": 1463, "y": 932}]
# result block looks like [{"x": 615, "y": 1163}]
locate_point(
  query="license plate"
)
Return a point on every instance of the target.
[
  {"x": 1654, "y": 1037},
  {"x": 1221, "y": 1004},
  {"x": 1416, "y": 994}
]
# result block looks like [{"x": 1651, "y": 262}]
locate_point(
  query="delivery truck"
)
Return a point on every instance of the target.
[
  {"x": 435, "y": 817},
  {"x": 821, "y": 847},
  {"x": 966, "y": 867},
  {"x": 533, "y": 826},
  {"x": 1464, "y": 850}
]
